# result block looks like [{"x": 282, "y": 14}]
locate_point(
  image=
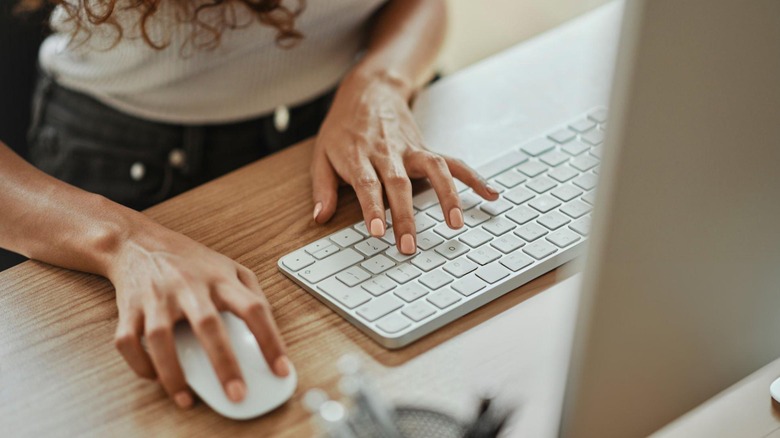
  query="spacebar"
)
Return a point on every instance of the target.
[{"x": 331, "y": 265}]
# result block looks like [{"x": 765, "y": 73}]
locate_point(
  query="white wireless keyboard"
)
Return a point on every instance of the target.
[{"x": 540, "y": 222}]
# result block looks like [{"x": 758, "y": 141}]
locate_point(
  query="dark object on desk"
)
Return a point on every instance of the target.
[{"x": 20, "y": 38}]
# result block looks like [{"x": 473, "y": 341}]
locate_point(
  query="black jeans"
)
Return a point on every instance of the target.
[{"x": 139, "y": 163}]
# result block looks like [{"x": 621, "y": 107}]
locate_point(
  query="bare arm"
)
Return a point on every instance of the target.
[
  {"x": 370, "y": 139},
  {"x": 160, "y": 276}
]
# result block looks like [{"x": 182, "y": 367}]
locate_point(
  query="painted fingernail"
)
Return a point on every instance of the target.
[
  {"x": 407, "y": 244},
  {"x": 236, "y": 390},
  {"x": 456, "y": 217},
  {"x": 282, "y": 366},
  {"x": 491, "y": 189},
  {"x": 317, "y": 210},
  {"x": 183, "y": 399},
  {"x": 377, "y": 227}
]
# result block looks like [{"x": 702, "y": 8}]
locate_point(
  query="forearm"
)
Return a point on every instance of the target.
[
  {"x": 404, "y": 43},
  {"x": 51, "y": 221}
]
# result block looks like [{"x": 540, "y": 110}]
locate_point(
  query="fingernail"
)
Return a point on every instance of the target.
[
  {"x": 377, "y": 227},
  {"x": 491, "y": 189},
  {"x": 407, "y": 244},
  {"x": 456, "y": 217},
  {"x": 317, "y": 210},
  {"x": 183, "y": 399},
  {"x": 282, "y": 366},
  {"x": 236, "y": 390}
]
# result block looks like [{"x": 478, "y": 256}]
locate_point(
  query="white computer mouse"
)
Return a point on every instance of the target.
[
  {"x": 265, "y": 391},
  {"x": 774, "y": 389}
]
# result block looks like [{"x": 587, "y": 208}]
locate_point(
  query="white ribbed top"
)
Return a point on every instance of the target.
[{"x": 246, "y": 76}]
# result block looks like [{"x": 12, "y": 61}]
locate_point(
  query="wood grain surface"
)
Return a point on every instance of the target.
[{"x": 61, "y": 376}]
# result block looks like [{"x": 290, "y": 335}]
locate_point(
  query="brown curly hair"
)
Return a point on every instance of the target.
[{"x": 206, "y": 34}]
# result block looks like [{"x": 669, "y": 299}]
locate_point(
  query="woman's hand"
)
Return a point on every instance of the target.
[
  {"x": 162, "y": 277},
  {"x": 370, "y": 140}
]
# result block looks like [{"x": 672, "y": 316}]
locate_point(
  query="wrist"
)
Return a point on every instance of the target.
[{"x": 366, "y": 75}]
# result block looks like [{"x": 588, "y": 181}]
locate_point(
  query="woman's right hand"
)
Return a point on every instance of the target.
[{"x": 162, "y": 277}]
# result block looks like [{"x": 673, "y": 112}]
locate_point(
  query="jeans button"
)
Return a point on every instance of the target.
[
  {"x": 137, "y": 171},
  {"x": 281, "y": 118},
  {"x": 177, "y": 158}
]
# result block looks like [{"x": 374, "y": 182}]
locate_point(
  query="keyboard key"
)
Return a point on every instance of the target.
[
  {"x": 349, "y": 297},
  {"x": 428, "y": 240},
  {"x": 474, "y": 217},
  {"x": 353, "y": 276},
  {"x": 587, "y": 181},
  {"x": 594, "y": 137},
  {"x": 435, "y": 213},
  {"x": 597, "y": 151},
  {"x": 460, "y": 267},
  {"x": 446, "y": 232},
  {"x": 555, "y": 158},
  {"x": 371, "y": 247},
  {"x": 436, "y": 279},
  {"x": 469, "y": 285},
  {"x": 507, "y": 243},
  {"x": 346, "y": 237},
  {"x": 475, "y": 237},
  {"x": 418, "y": 311},
  {"x": 498, "y": 225},
  {"x": 584, "y": 162},
  {"x": 361, "y": 228},
  {"x": 379, "y": 285},
  {"x": 582, "y": 125},
  {"x": 393, "y": 323},
  {"x": 330, "y": 265},
  {"x": 532, "y": 168},
  {"x": 494, "y": 208},
  {"x": 410, "y": 292},
  {"x": 324, "y": 252},
  {"x": 425, "y": 200},
  {"x": 531, "y": 231},
  {"x": 581, "y": 225},
  {"x": 469, "y": 200},
  {"x": 598, "y": 115},
  {"x": 537, "y": 146},
  {"x": 379, "y": 307},
  {"x": 522, "y": 214},
  {"x": 539, "y": 249},
  {"x": 510, "y": 178},
  {"x": 443, "y": 298},
  {"x": 576, "y": 209},
  {"x": 589, "y": 197},
  {"x": 563, "y": 237},
  {"x": 544, "y": 203},
  {"x": 389, "y": 236},
  {"x": 492, "y": 273},
  {"x": 297, "y": 261},
  {"x": 575, "y": 148},
  {"x": 403, "y": 273},
  {"x": 484, "y": 255},
  {"x": 396, "y": 255},
  {"x": 563, "y": 173},
  {"x": 422, "y": 222},
  {"x": 566, "y": 192},
  {"x": 502, "y": 163},
  {"x": 554, "y": 220},
  {"x": 428, "y": 260},
  {"x": 452, "y": 249},
  {"x": 563, "y": 135},
  {"x": 317, "y": 246},
  {"x": 377, "y": 264},
  {"x": 541, "y": 184},
  {"x": 499, "y": 188},
  {"x": 516, "y": 261},
  {"x": 518, "y": 195}
]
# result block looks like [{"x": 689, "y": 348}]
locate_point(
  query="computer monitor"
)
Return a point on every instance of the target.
[{"x": 681, "y": 293}]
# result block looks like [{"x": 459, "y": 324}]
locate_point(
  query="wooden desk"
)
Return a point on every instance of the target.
[{"x": 61, "y": 375}]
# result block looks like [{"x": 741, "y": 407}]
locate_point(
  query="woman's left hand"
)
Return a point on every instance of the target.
[{"x": 370, "y": 141}]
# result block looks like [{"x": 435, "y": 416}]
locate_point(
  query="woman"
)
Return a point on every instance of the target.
[{"x": 140, "y": 100}]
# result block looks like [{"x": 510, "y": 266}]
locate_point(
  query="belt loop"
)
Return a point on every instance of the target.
[{"x": 194, "y": 138}]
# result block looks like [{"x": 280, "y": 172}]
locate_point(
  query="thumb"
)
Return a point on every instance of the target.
[{"x": 325, "y": 185}]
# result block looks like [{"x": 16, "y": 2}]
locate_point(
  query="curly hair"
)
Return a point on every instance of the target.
[{"x": 86, "y": 15}]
